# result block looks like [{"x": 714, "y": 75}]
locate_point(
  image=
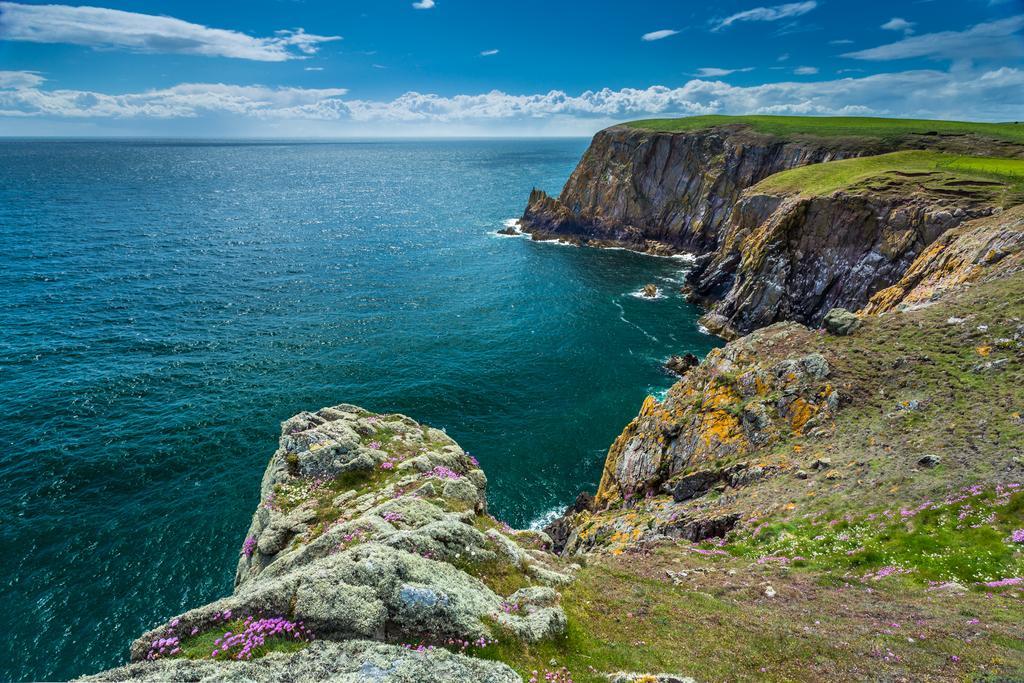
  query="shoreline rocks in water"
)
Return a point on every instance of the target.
[
  {"x": 650, "y": 291},
  {"x": 680, "y": 365}
]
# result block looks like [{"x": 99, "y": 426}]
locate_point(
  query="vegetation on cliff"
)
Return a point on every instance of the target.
[
  {"x": 995, "y": 179},
  {"x": 837, "y": 126}
]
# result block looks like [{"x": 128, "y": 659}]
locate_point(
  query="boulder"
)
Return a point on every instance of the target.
[
  {"x": 841, "y": 322},
  {"x": 680, "y": 365},
  {"x": 650, "y": 291}
]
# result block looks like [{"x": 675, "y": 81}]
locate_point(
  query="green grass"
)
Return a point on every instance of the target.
[
  {"x": 626, "y": 615},
  {"x": 821, "y": 179},
  {"x": 966, "y": 540},
  {"x": 838, "y": 126}
]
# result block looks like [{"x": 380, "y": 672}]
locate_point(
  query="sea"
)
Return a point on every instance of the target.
[{"x": 164, "y": 305}]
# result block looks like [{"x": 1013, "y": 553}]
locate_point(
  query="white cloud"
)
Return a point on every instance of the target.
[
  {"x": 19, "y": 79},
  {"x": 102, "y": 28},
  {"x": 658, "y": 35},
  {"x": 424, "y": 4},
  {"x": 983, "y": 95},
  {"x": 899, "y": 24},
  {"x": 805, "y": 70},
  {"x": 313, "y": 68},
  {"x": 714, "y": 71},
  {"x": 841, "y": 41},
  {"x": 990, "y": 40},
  {"x": 774, "y": 13},
  {"x": 488, "y": 53}
]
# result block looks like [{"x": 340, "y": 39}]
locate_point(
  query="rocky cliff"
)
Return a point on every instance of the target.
[
  {"x": 975, "y": 252},
  {"x": 666, "y": 192},
  {"x": 370, "y": 557},
  {"x": 764, "y": 255},
  {"x": 795, "y": 256}
]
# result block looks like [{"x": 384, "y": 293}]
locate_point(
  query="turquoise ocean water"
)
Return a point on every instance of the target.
[{"x": 163, "y": 306}]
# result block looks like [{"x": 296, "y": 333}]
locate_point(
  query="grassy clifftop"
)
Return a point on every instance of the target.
[
  {"x": 1003, "y": 179},
  {"x": 838, "y": 126}
]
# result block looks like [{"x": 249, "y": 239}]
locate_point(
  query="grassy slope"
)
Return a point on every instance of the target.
[
  {"x": 820, "y": 179},
  {"x": 914, "y": 387},
  {"x": 715, "y": 623},
  {"x": 789, "y": 126}
]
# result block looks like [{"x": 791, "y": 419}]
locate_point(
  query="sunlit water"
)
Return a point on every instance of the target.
[{"x": 164, "y": 306}]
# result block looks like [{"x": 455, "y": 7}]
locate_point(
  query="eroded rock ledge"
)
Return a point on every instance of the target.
[{"x": 372, "y": 534}]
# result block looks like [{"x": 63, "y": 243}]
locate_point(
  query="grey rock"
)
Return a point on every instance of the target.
[
  {"x": 929, "y": 461},
  {"x": 395, "y": 562},
  {"x": 352, "y": 661},
  {"x": 624, "y": 677},
  {"x": 841, "y": 322}
]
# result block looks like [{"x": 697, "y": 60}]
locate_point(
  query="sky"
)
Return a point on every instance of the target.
[{"x": 418, "y": 68}]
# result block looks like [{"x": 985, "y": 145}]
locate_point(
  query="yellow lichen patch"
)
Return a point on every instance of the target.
[
  {"x": 800, "y": 412},
  {"x": 718, "y": 426},
  {"x": 983, "y": 350},
  {"x": 648, "y": 407}
]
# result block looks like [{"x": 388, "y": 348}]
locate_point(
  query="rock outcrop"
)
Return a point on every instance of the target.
[
  {"x": 795, "y": 257},
  {"x": 971, "y": 253},
  {"x": 372, "y": 534},
  {"x": 735, "y": 401}
]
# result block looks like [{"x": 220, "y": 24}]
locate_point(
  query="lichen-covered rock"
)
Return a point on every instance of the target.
[
  {"x": 734, "y": 401},
  {"x": 629, "y": 677},
  {"x": 371, "y": 527},
  {"x": 703, "y": 439},
  {"x": 351, "y": 661},
  {"x": 974, "y": 252},
  {"x": 840, "y": 322}
]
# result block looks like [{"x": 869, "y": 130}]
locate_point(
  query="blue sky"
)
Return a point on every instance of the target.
[{"x": 474, "y": 67}]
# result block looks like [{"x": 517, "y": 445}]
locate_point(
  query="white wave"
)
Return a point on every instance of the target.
[
  {"x": 511, "y": 223},
  {"x": 659, "y": 394},
  {"x": 557, "y": 241},
  {"x": 539, "y": 522},
  {"x": 703, "y": 330},
  {"x": 622, "y": 317}
]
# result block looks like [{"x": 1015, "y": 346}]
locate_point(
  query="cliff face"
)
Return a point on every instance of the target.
[
  {"x": 372, "y": 534},
  {"x": 797, "y": 257},
  {"x": 668, "y": 191},
  {"x": 974, "y": 252}
]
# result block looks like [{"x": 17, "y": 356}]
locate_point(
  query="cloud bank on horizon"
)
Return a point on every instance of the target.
[{"x": 974, "y": 71}]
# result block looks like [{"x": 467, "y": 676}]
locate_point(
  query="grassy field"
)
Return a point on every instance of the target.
[
  {"x": 844, "y": 126},
  {"x": 819, "y": 179},
  {"x": 713, "y": 618}
]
